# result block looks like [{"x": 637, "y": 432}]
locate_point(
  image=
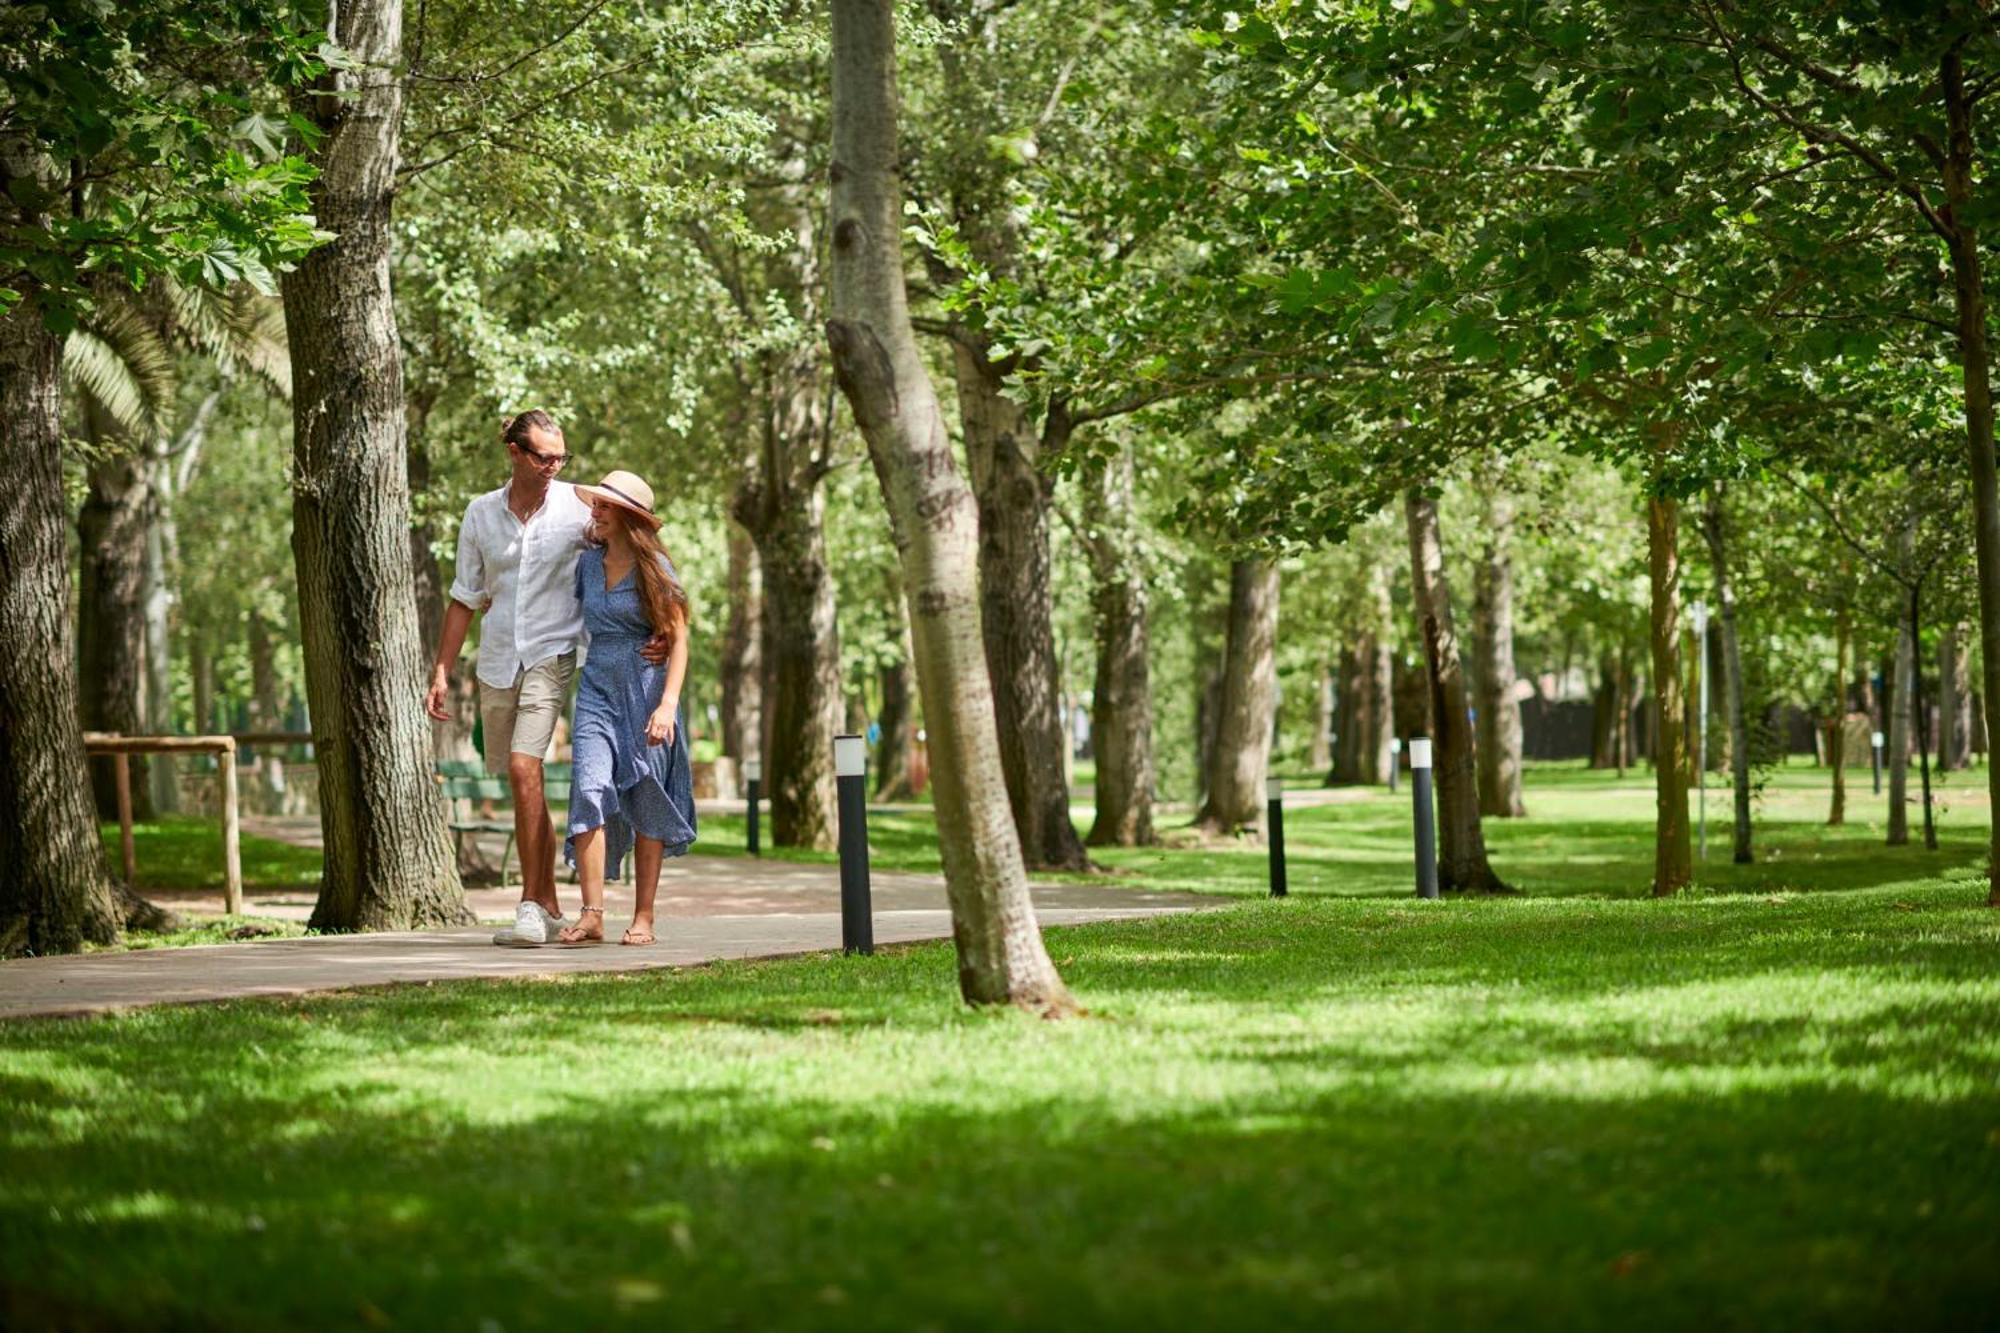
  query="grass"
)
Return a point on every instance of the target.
[
  {"x": 183, "y": 852},
  {"x": 1776, "y": 1102}
]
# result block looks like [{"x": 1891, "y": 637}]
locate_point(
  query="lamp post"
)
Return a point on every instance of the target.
[
  {"x": 753, "y": 779},
  {"x": 1274, "y": 816},
  {"x": 1426, "y": 816},
  {"x": 857, "y": 917}
]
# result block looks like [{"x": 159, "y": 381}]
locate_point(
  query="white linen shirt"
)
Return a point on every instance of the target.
[{"x": 529, "y": 572}]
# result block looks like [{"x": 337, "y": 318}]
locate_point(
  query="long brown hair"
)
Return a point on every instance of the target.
[{"x": 660, "y": 593}]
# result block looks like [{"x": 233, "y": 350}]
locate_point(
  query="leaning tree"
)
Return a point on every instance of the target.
[{"x": 1001, "y": 958}]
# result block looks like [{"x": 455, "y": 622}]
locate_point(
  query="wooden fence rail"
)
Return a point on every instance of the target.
[{"x": 121, "y": 748}]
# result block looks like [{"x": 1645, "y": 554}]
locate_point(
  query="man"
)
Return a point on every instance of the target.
[{"x": 517, "y": 553}]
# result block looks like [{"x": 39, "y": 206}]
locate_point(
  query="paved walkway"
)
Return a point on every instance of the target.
[{"x": 710, "y": 908}]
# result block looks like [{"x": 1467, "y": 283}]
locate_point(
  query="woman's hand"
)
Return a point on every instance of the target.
[{"x": 660, "y": 726}]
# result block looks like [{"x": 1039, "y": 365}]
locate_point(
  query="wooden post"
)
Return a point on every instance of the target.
[
  {"x": 232, "y": 854},
  {"x": 123, "y": 764},
  {"x": 224, "y": 747}
]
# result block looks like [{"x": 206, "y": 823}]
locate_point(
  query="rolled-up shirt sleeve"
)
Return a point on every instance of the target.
[{"x": 468, "y": 580}]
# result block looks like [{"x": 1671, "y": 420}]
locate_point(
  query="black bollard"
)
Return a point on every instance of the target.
[
  {"x": 1274, "y": 814},
  {"x": 753, "y": 779},
  {"x": 1876, "y": 741},
  {"x": 1426, "y": 818},
  {"x": 1395, "y": 759},
  {"x": 850, "y": 767}
]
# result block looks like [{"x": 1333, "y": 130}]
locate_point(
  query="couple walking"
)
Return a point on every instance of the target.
[{"x": 554, "y": 566}]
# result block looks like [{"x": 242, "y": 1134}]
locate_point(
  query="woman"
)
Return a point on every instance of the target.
[{"x": 629, "y": 742}]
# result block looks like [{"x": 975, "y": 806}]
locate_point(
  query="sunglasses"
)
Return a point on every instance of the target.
[{"x": 544, "y": 460}]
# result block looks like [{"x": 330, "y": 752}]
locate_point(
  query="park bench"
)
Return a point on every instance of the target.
[{"x": 468, "y": 780}]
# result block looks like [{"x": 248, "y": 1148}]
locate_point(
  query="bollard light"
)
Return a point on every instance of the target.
[
  {"x": 753, "y": 781},
  {"x": 1426, "y": 818},
  {"x": 1395, "y": 759},
  {"x": 850, "y": 767},
  {"x": 1274, "y": 812},
  {"x": 1875, "y": 744}
]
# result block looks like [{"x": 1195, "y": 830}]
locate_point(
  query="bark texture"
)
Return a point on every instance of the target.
[
  {"x": 1673, "y": 852},
  {"x": 111, "y": 619},
  {"x": 895, "y": 764},
  {"x": 743, "y": 652},
  {"x": 1016, "y": 602},
  {"x": 55, "y": 889},
  {"x": 1836, "y": 732},
  {"x": 1121, "y": 709},
  {"x": 1897, "y": 756},
  {"x": 388, "y": 858},
  {"x": 1364, "y": 711},
  {"x": 1462, "y": 863},
  {"x": 1241, "y": 758},
  {"x": 1715, "y": 531},
  {"x": 1623, "y": 744},
  {"x": 935, "y": 521},
  {"x": 780, "y": 500},
  {"x": 1496, "y": 711},
  {"x": 801, "y": 651},
  {"x": 1954, "y": 700},
  {"x": 1975, "y": 361}
]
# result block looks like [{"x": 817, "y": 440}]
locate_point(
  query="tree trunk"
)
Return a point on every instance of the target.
[
  {"x": 1496, "y": 711},
  {"x": 55, "y": 890},
  {"x": 743, "y": 652},
  {"x": 1920, "y": 710},
  {"x": 895, "y": 771},
  {"x": 1241, "y": 759},
  {"x": 1673, "y": 854},
  {"x": 1365, "y": 720},
  {"x": 1976, "y": 364},
  {"x": 935, "y": 521},
  {"x": 1324, "y": 677},
  {"x": 388, "y": 859},
  {"x": 111, "y": 620},
  {"x": 1954, "y": 700},
  {"x": 156, "y": 598},
  {"x": 201, "y": 673},
  {"x": 1121, "y": 707},
  {"x": 1897, "y": 757},
  {"x": 1015, "y": 604},
  {"x": 1462, "y": 863},
  {"x": 1604, "y": 714},
  {"x": 1714, "y": 529},
  {"x": 1836, "y": 740},
  {"x": 801, "y": 647}
]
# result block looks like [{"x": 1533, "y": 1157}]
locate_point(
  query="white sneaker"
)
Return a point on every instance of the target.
[{"x": 532, "y": 928}]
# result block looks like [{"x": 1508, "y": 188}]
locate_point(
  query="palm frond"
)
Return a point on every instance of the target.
[
  {"x": 239, "y": 327},
  {"x": 118, "y": 361}
]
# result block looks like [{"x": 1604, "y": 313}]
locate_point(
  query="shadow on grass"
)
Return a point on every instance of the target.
[
  {"x": 1287, "y": 1115},
  {"x": 1343, "y": 1198}
]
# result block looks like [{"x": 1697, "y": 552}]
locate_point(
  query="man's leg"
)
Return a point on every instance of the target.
[
  {"x": 533, "y": 833},
  {"x": 540, "y": 704}
]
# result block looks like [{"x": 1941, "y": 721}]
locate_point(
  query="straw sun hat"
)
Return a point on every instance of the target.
[{"x": 627, "y": 491}]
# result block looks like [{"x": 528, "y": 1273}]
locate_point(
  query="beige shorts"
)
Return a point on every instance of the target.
[{"x": 521, "y": 719}]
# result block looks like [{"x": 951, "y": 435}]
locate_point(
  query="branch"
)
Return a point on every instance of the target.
[
  {"x": 472, "y": 127},
  {"x": 590, "y": 12},
  {"x": 1840, "y": 529},
  {"x": 1821, "y": 134}
]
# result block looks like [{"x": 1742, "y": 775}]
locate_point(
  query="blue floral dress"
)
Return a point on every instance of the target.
[{"x": 621, "y": 783}]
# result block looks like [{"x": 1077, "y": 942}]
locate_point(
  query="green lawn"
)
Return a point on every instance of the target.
[
  {"x": 183, "y": 852},
  {"x": 1772, "y": 1104}
]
